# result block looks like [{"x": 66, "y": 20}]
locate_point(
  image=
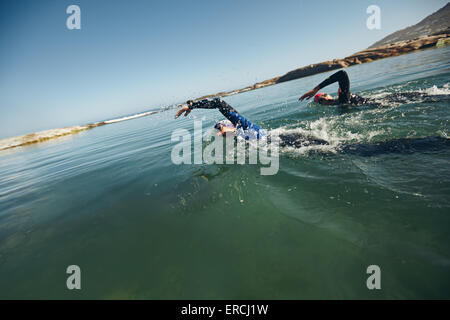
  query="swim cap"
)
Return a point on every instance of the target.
[
  {"x": 224, "y": 127},
  {"x": 317, "y": 96}
]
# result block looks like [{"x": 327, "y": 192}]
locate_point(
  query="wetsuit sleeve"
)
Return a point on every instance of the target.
[
  {"x": 205, "y": 104},
  {"x": 344, "y": 84},
  {"x": 228, "y": 112}
]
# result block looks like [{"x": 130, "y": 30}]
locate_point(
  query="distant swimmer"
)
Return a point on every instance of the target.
[{"x": 345, "y": 97}]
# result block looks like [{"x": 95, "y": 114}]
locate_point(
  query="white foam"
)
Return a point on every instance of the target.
[
  {"x": 329, "y": 129},
  {"x": 139, "y": 115},
  {"x": 434, "y": 90}
]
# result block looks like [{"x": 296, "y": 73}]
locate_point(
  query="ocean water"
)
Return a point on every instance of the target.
[{"x": 111, "y": 201}]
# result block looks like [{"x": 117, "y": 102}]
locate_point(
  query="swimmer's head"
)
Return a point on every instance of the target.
[
  {"x": 324, "y": 98},
  {"x": 224, "y": 127},
  {"x": 317, "y": 96}
]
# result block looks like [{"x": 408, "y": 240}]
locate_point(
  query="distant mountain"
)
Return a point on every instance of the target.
[
  {"x": 438, "y": 22},
  {"x": 431, "y": 32}
]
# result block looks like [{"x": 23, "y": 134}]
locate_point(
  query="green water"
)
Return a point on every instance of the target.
[{"x": 111, "y": 201}]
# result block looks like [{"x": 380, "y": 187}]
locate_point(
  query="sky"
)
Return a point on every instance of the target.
[{"x": 131, "y": 56}]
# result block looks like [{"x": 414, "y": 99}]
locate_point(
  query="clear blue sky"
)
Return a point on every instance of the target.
[{"x": 135, "y": 55}]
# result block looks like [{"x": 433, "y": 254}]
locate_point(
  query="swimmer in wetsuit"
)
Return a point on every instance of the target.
[
  {"x": 344, "y": 94},
  {"x": 345, "y": 97},
  {"x": 239, "y": 124}
]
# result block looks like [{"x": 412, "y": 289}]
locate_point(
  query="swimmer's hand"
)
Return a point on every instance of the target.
[
  {"x": 182, "y": 110},
  {"x": 309, "y": 94}
]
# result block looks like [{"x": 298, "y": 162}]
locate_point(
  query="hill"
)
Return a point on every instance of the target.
[{"x": 436, "y": 23}]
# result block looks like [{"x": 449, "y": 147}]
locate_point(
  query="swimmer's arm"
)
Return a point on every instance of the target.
[
  {"x": 202, "y": 104},
  {"x": 309, "y": 94},
  {"x": 185, "y": 110},
  {"x": 223, "y": 107},
  {"x": 340, "y": 76},
  {"x": 205, "y": 104}
]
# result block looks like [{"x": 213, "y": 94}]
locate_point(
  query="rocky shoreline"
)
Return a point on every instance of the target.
[{"x": 368, "y": 55}]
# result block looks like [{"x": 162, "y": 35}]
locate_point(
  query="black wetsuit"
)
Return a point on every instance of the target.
[
  {"x": 224, "y": 108},
  {"x": 345, "y": 96}
]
